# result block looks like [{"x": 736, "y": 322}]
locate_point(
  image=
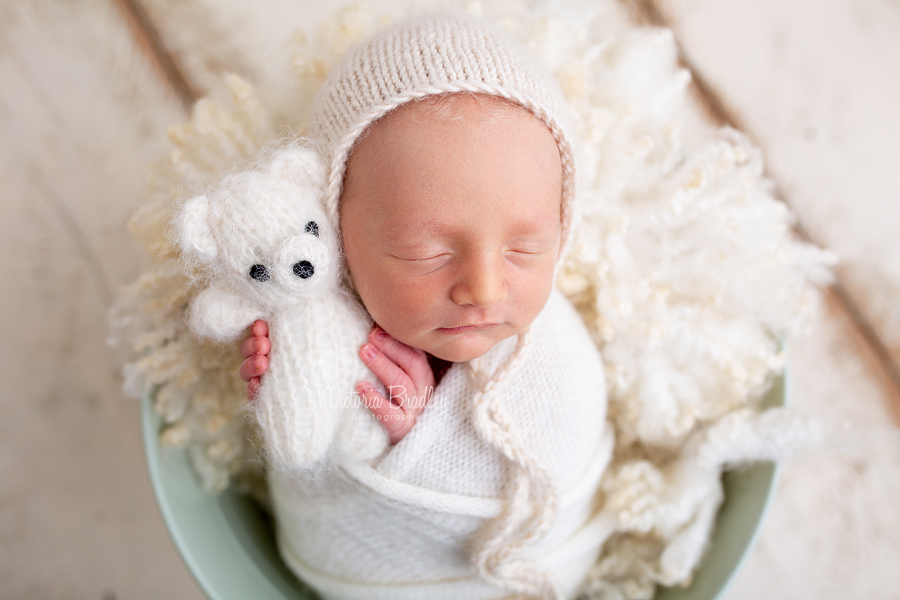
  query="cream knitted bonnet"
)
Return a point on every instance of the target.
[{"x": 430, "y": 56}]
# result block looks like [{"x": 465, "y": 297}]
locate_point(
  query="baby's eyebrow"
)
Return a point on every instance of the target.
[
  {"x": 527, "y": 225},
  {"x": 542, "y": 224},
  {"x": 425, "y": 226}
]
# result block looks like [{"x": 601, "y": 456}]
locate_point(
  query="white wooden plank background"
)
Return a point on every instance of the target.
[
  {"x": 81, "y": 116},
  {"x": 83, "y": 110}
]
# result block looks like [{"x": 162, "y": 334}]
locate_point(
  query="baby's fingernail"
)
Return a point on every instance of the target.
[
  {"x": 380, "y": 334},
  {"x": 369, "y": 352}
]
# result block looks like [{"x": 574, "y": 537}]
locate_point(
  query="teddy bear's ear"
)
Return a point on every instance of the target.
[
  {"x": 196, "y": 234},
  {"x": 301, "y": 165}
]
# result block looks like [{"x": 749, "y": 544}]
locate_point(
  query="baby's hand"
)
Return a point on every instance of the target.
[
  {"x": 406, "y": 374},
  {"x": 255, "y": 350}
]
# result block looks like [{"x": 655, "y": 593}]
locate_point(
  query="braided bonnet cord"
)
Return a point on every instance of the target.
[{"x": 531, "y": 507}]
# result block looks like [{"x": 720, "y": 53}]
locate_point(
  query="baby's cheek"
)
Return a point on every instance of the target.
[
  {"x": 532, "y": 295},
  {"x": 410, "y": 300},
  {"x": 383, "y": 296}
]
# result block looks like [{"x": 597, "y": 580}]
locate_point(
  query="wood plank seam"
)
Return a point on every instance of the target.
[
  {"x": 149, "y": 40},
  {"x": 647, "y": 12}
]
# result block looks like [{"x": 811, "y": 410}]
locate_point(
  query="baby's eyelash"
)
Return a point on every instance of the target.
[
  {"x": 422, "y": 258},
  {"x": 425, "y": 265},
  {"x": 425, "y": 261},
  {"x": 529, "y": 251}
]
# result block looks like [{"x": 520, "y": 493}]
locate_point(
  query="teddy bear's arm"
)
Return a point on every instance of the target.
[{"x": 221, "y": 315}]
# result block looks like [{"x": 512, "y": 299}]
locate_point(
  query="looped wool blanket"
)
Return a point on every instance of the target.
[{"x": 683, "y": 269}]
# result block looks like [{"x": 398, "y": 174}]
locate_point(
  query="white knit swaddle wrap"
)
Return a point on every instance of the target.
[
  {"x": 403, "y": 527},
  {"x": 444, "y": 54}
]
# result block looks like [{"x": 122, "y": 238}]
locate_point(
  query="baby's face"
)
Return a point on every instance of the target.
[{"x": 451, "y": 223}]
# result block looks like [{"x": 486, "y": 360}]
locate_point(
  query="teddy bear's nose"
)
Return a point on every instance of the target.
[{"x": 304, "y": 269}]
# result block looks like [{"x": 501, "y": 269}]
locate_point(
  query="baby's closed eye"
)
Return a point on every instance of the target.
[
  {"x": 530, "y": 249},
  {"x": 533, "y": 244},
  {"x": 421, "y": 256},
  {"x": 422, "y": 262},
  {"x": 420, "y": 252}
]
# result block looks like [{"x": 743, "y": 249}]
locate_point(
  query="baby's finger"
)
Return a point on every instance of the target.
[
  {"x": 255, "y": 345},
  {"x": 374, "y": 400},
  {"x": 259, "y": 328},
  {"x": 410, "y": 360},
  {"x": 254, "y": 366},
  {"x": 393, "y": 377},
  {"x": 390, "y": 416}
]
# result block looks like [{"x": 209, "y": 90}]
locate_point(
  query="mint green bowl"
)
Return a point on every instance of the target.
[{"x": 228, "y": 543}]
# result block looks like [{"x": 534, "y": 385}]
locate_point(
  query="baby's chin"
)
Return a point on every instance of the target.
[{"x": 465, "y": 347}]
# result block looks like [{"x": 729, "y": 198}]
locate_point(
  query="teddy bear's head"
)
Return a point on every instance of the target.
[{"x": 263, "y": 233}]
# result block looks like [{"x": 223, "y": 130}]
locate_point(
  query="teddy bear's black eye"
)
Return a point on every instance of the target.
[
  {"x": 259, "y": 273},
  {"x": 313, "y": 228}
]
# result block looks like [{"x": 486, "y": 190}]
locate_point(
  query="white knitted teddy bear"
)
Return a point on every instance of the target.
[{"x": 268, "y": 252}]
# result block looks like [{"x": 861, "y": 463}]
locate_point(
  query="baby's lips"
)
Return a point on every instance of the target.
[{"x": 468, "y": 327}]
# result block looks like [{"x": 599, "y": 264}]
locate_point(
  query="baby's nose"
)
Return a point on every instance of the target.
[
  {"x": 304, "y": 269},
  {"x": 482, "y": 286}
]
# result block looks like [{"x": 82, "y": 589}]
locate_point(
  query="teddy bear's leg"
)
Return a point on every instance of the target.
[
  {"x": 295, "y": 408},
  {"x": 360, "y": 435}
]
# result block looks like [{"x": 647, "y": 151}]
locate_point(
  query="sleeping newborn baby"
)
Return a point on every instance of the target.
[{"x": 452, "y": 180}]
